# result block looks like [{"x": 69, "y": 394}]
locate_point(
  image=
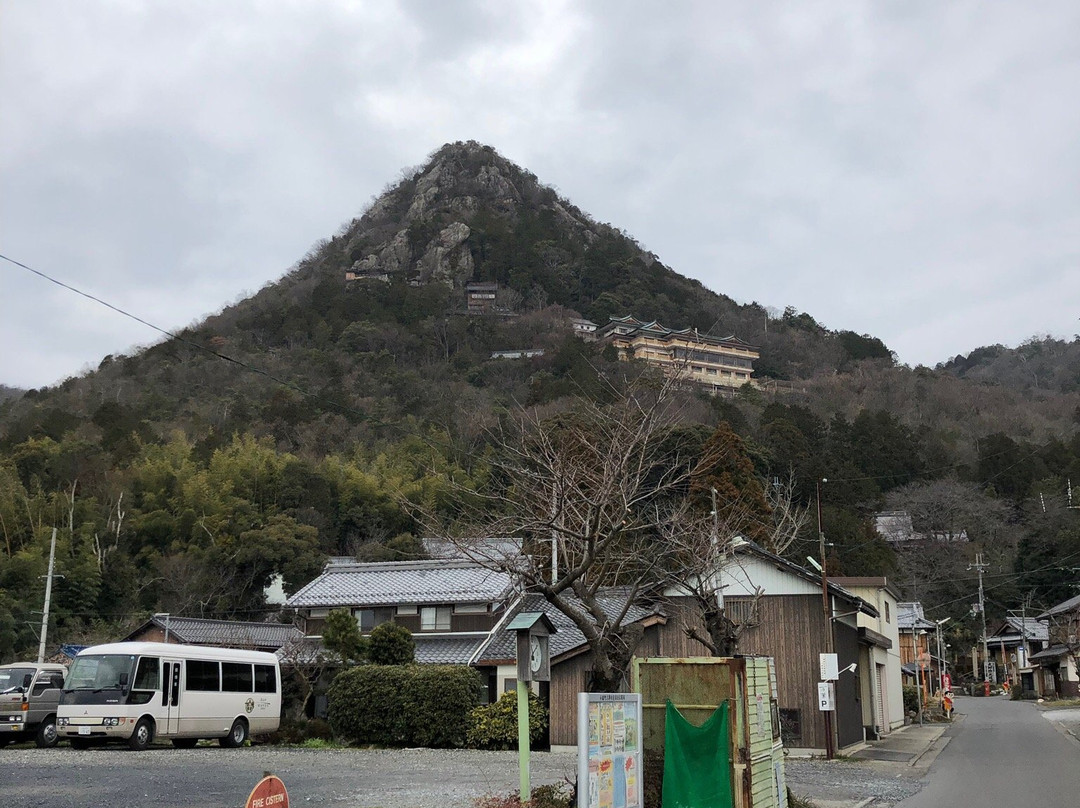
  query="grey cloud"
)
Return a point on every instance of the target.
[{"x": 890, "y": 168}]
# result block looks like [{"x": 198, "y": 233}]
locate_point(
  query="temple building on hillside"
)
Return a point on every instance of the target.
[{"x": 718, "y": 364}]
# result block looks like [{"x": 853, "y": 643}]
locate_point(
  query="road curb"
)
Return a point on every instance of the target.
[{"x": 1065, "y": 731}]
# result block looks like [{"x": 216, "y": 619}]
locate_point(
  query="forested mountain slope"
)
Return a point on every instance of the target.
[{"x": 292, "y": 424}]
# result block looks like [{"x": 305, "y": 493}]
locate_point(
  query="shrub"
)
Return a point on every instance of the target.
[
  {"x": 494, "y": 726},
  {"x": 391, "y": 644},
  {"x": 404, "y": 705},
  {"x": 911, "y": 699},
  {"x": 556, "y": 795},
  {"x": 342, "y": 637}
]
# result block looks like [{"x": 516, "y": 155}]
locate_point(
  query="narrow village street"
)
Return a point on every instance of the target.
[{"x": 1003, "y": 752}]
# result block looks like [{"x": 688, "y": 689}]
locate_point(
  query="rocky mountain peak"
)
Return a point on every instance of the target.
[{"x": 421, "y": 229}]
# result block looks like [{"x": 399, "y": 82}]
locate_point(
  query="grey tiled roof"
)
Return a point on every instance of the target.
[
  {"x": 446, "y": 650},
  {"x": 456, "y": 650},
  {"x": 567, "y": 636},
  {"x": 909, "y": 616},
  {"x": 228, "y": 633},
  {"x": 1065, "y": 606},
  {"x": 1010, "y": 629},
  {"x": 404, "y": 582},
  {"x": 478, "y": 550}
]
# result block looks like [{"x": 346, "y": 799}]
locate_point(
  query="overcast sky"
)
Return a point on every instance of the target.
[{"x": 908, "y": 169}]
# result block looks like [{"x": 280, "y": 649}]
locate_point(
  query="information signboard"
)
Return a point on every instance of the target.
[
  {"x": 826, "y": 696},
  {"x": 609, "y": 750},
  {"x": 830, "y": 667}
]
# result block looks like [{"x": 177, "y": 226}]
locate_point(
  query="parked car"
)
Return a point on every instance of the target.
[{"x": 29, "y": 693}]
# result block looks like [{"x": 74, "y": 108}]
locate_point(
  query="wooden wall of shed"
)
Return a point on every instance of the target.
[
  {"x": 791, "y": 630},
  {"x": 153, "y": 634},
  {"x": 570, "y": 677},
  {"x": 567, "y": 680}
]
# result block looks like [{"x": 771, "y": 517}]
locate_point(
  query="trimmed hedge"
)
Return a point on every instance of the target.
[
  {"x": 494, "y": 726},
  {"x": 404, "y": 705}
]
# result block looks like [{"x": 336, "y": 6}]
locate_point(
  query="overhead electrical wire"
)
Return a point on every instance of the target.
[{"x": 315, "y": 397}]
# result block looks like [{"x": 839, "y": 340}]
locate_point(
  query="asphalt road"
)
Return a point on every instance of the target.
[{"x": 1002, "y": 753}]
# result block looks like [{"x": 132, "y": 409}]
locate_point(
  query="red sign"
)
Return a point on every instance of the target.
[{"x": 269, "y": 793}]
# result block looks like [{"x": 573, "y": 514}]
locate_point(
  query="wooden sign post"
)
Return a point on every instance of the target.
[{"x": 533, "y": 665}]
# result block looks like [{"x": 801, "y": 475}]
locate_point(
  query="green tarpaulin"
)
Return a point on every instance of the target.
[{"x": 697, "y": 772}]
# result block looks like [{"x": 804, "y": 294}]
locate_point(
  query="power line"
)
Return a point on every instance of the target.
[{"x": 315, "y": 397}]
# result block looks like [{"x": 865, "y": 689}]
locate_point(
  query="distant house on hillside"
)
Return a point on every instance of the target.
[
  {"x": 717, "y": 364},
  {"x": 896, "y": 528},
  {"x": 523, "y": 353},
  {"x": 585, "y": 329},
  {"x": 480, "y": 297}
]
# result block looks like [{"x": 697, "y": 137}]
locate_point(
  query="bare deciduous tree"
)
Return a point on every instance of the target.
[
  {"x": 306, "y": 661},
  {"x": 703, "y": 555},
  {"x": 590, "y": 486}
]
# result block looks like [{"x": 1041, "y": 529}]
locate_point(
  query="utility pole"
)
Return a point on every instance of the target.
[
  {"x": 941, "y": 658},
  {"x": 829, "y": 748},
  {"x": 980, "y": 566},
  {"x": 714, "y": 542},
  {"x": 1023, "y": 630},
  {"x": 48, "y": 598}
]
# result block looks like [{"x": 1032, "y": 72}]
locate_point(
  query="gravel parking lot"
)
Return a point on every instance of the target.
[{"x": 209, "y": 777}]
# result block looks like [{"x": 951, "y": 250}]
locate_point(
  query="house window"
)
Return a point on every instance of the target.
[
  {"x": 435, "y": 618},
  {"x": 888, "y": 613},
  {"x": 406, "y": 610},
  {"x": 470, "y": 608},
  {"x": 367, "y": 619}
]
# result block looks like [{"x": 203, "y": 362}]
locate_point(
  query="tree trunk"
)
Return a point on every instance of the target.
[{"x": 612, "y": 653}]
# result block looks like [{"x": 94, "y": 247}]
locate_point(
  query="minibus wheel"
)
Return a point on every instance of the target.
[
  {"x": 237, "y": 735},
  {"x": 142, "y": 736}
]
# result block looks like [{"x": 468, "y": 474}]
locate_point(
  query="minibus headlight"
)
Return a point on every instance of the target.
[{"x": 61, "y": 722}]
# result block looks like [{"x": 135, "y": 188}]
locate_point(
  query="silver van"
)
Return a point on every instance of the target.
[{"x": 29, "y": 693}]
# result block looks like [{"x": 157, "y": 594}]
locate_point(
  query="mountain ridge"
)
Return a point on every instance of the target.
[{"x": 293, "y": 424}]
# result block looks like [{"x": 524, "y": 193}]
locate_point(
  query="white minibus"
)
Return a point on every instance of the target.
[{"x": 139, "y": 691}]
